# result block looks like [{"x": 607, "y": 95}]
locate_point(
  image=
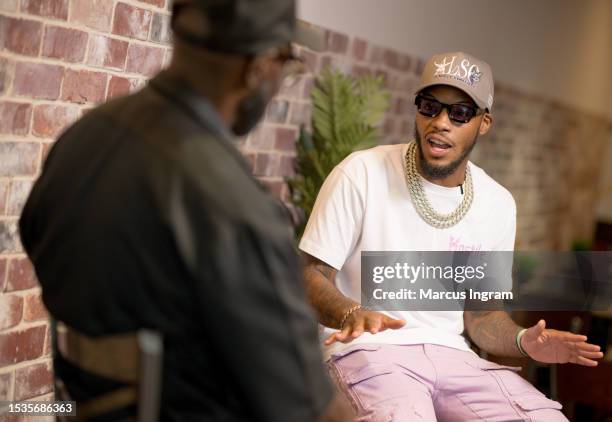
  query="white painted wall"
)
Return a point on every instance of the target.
[{"x": 561, "y": 49}]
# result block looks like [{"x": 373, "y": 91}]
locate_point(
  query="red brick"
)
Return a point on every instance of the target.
[
  {"x": 278, "y": 189},
  {"x": 359, "y": 49},
  {"x": 57, "y": 9},
  {"x": 309, "y": 84},
  {"x": 46, "y": 147},
  {"x": 337, "y": 43},
  {"x": 376, "y": 54},
  {"x": 83, "y": 86},
  {"x": 160, "y": 29},
  {"x": 65, "y": 44},
  {"x": 38, "y": 80},
  {"x": 7, "y": 417},
  {"x": 301, "y": 113},
  {"x": 158, "y": 3},
  {"x": 266, "y": 164},
  {"x": 18, "y": 158},
  {"x": 291, "y": 87},
  {"x": 9, "y": 237},
  {"x": 33, "y": 380},
  {"x": 20, "y": 275},
  {"x": 361, "y": 70},
  {"x": 401, "y": 106},
  {"x": 20, "y": 189},
  {"x": 250, "y": 157},
  {"x": 4, "y": 75},
  {"x": 262, "y": 138},
  {"x": 5, "y": 386},
  {"x": 391, "y": 58},
  {"x": 392, "y": 82},
  {"x": 276, "y": 112},
  {"x": 273, "y": 187},
  {"x": 12, "y": 310},
  {"x": 132, "y": 22},
  {"x": 20, "y": 36},
  {"x": 420, "y": 65},
  {"x": 404, "y": 62},
  {"x": 34, "y": 308},
  {"x": 48, "y": 343},
  {"x": 407, "y": 128},
  {"x": 9, "y": 6},
  {"x": 118, "y": 86},
  {"x": 49, "y": 120},
  {"x": 408, "y": 85},
  {"x": 15, "y": 117},
  {"x": 286, "y": 166},
  {"x": 19, "y": 346},
  {"x": 144, "y": 60},
  {"x": 96, "y": 14},
  {"x": 2, "y": 260},
  {"x": 285, "y": 139},
  {"x": 4, "y": 187},
  {"x": 107, "y": 52},
  {"x": 389, "y": 126}
]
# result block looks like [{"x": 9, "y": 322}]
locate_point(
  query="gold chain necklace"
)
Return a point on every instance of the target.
[{"x": 421, "y": 203}]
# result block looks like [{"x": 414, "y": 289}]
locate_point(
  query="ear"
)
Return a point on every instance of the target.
[{"x": 485, "y": 123}]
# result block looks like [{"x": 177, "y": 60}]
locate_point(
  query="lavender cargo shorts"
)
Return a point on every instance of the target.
[{"x": 427, "y": 382}]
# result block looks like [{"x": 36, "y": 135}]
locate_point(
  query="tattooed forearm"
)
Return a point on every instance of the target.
[
  {"x": 493, "y": 331},
  {"x": 327, "y": 301}
]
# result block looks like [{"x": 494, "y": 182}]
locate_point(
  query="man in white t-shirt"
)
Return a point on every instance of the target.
[{"x": 426, "y": 196}]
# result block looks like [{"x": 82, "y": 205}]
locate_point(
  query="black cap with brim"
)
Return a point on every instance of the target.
[{"x": 249, "y": 27}]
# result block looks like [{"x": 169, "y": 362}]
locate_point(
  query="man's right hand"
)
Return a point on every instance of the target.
[
  {"x": 363, "y": 320},
  {"x": 331, "y": 305}
]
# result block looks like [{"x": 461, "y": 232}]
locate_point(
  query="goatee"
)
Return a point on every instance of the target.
[{"x": 432, "y": 171}]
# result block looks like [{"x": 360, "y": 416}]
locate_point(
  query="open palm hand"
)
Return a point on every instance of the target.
[{"x": 553, "y": 346}]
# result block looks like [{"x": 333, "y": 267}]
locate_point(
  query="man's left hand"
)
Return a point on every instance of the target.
[{"x": 553, "y": 346}]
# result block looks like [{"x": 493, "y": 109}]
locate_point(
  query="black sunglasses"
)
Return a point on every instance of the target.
[{"x": 458, "y": 113}]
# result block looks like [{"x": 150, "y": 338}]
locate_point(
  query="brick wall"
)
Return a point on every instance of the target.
[{"x": 58, "y": 58}]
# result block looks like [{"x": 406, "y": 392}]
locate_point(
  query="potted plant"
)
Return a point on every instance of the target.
[{"x": 347, "y": 112}]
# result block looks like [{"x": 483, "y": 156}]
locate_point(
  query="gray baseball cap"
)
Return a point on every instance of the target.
[
  {"x": 463, "y": 71},
  {"x": 251, "y": 26}
]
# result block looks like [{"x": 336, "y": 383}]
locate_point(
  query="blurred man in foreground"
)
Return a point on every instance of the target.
[{"x": 146, "y": 216}]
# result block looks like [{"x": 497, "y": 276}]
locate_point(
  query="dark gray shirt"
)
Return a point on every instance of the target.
[{"x": 146, "y": 215}]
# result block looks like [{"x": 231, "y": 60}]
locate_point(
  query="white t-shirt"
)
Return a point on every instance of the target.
[{"x": 365, "y": 205}]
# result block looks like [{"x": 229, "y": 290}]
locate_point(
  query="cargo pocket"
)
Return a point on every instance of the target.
[
  {"x": 368, "y": 372},
  {"x": 353, "y": 366},
  {"x": 488, "y": 365},
  {"x": 367, "y": 385},
  {"x": 523, "y": 396},
  {"x": 536, "y": 402},
  {"x": 356, "y": 348}
]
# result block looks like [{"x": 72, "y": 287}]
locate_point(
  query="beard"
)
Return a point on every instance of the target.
[
  {"x": 251, "y": 109},
  {"x": 432, "y": 171}
]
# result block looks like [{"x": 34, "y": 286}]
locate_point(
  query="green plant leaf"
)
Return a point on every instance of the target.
[{"x": 346, "y": 115}]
